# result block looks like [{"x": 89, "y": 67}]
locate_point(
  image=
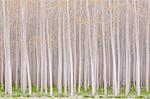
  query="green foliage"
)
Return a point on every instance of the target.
[{"x": 84, "y": 94}]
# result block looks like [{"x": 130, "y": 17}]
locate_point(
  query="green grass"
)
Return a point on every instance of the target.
[{"x": 82, "y": 94}]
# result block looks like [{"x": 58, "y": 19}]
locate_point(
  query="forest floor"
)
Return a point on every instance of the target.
[{"x": 83, "y": 94}]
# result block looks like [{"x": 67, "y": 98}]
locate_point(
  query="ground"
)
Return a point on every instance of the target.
[{"x": 100, "y": 94}]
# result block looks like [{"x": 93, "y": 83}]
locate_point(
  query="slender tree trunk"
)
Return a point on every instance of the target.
[
  {"x": 24, "y": 51},
  {"x": 147, "y": 47},
  {"x": 95, "y": 46},
  {"x": 42, "y": 43},
  {"x": 43, "y": 4},
  {"x": 70, "y": 57},
  {"x": 86, "y": 60},
  {"x": 59, "y": 52},
  {"x": 37, "y": 49},
  {"x": 136, "y": 2},
  {"x": 2, "y": 61},
  {"x": 113, "y": 49},
  {"x": 17, "y": 61},
  {"x": 104, "y": 53},
  {"x": 127, "y": 49},
  {"x": 64, "y": 55},
  {"x": 80, "y": 50},
  {"x": 90, "y": 49},
  {"x": 118, "y": 47},
  {"x": 74, "y": 46},
  {"x": 49, "y": 51},
  {"x": 8, "y": 73}
]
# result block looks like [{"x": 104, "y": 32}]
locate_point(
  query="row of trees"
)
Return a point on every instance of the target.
[{"x": 75, "y": 43}]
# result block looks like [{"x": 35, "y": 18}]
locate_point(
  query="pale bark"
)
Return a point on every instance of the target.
[
  {"x": 2, "y": 62},
  {"x": 70, "y": 57},
  {"x": 17, "y": 62},
  {"x": 127, "y": 50},
  {"x": 64, "y": 56},
  {"x": 37, "y": 39},
  {"x": 104, "y": 53},
  {"x": 136, "y": 3},
  {"x": 59, "y": 51},
  {"x": 75, "y": 45},
  {"x": 112, "y": 33},
  {"x": 90, "y": 49},
  {"x": 95, "y": 47},
  {"x": 49, "y": 52},
  {"x": 147, "y": 47},
  {"x": 24, "y": 51},
  {"x": 80, "y": 50},
  {"x": 8, "y": 72},
  {"x": 118, "y": 46}
]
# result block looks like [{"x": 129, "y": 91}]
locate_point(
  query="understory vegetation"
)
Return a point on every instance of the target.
[{"x": 83, "y": 94}]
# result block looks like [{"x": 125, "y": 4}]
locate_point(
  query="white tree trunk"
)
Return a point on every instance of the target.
[
  {"x": 75, "y": 45},
  {"x": 49, "y": 52},
  {"x": 104, "y": 53},
  {"x": 8, "y": 73},
  {"x": 127, "y": 49},
  {"x": 59, "y": 51},
  {"x": 113, "y": 49},
  {"x": 118, "y": 47},
  {"x": 24, "y": 50},
  {"x": 90, "y": 49},
  {"x": 64, "y": 55},
  {"x": 2, "y": 62},
  {"x": 136, "y": 3},
  {"x": 70, "y": 57},
  {"x": 80, "y": 50},
  {"x": 147, "y": 47}
]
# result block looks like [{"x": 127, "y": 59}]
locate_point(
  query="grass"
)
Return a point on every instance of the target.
[{"x": 82, "y": 94}]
